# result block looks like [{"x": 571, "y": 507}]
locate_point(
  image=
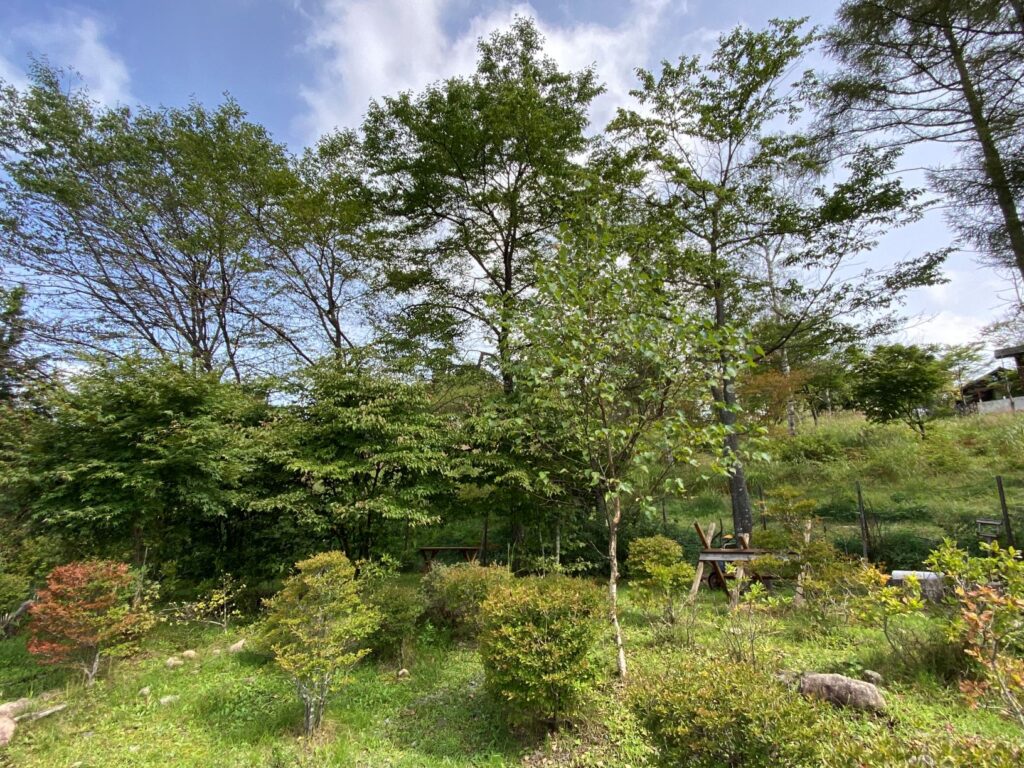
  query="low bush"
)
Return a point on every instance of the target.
[
  {"x": 88, "y": 611},
  {"x": 537, "y": 642},
  {"x": 659, "y": 574},
  {"x": 704, "y": 713},
  {"x": 400, "y": 607},
  {"x": 903, "y": 550},
  {"x": 454, "y": 594},
  {"x": 316, "y": 627}
]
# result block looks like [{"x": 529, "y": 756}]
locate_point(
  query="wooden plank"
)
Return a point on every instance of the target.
[{"x": 707, "y": 545}]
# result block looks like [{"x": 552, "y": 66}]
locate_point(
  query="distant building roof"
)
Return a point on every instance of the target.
[{"x": 1010, "y": 351}]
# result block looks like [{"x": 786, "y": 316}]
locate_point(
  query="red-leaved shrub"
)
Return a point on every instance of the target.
[{"x": 88, "y": 611}]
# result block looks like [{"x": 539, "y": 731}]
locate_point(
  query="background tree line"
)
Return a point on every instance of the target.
[{"x": 219, "y": 355}]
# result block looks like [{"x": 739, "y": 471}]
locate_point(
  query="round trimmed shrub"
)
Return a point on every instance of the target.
[
  {"x": 537, "y": 644},
  {"x": 454, "y": 594},
  {"x": 707, "y": 714}
]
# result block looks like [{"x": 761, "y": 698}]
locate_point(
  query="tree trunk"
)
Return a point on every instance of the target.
[
  {"x": 725, "y": 397},
  {"x": 614, "y": 516},
  {"x": 995, "y": 166}
]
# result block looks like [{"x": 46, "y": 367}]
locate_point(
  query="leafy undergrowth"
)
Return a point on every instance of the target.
[{"x": 238, "y": 710}]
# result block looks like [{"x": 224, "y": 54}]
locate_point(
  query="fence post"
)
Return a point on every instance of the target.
[
  {"x": 1006, "y": 511},
  {"x": 863, "y": 522}
]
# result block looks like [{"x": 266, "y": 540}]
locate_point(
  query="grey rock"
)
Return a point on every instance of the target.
[
  {"x": 237, "y": 647},
  {"x": 190, "y": 655},
  {"x": 872, "y": 677},
  {"x": 842, "y": 691},
  {"x": 145, "y": 691},
  {"x": 14, "y": 708},
  {"x": 165, "y": 700},
  {"x": 174, "y": 662},
  {"x": 7, "y": 728}
]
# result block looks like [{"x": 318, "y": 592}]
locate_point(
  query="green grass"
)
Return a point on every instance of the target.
[{"x": 238, "y": 710}]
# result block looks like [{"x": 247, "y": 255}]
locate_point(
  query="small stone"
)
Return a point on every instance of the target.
[
  {"x": 238, "y": 647},
  {"x": 843, "y": 691},
  {"x": 872, "y": 677},
  {"x": 216, "y": 651},
  {"x": 145, "y": 691},
  {"x": 174, "y": 662},
  {"x": 403, "y": 673},
  {"x": 165, "y": 700},
  {"x": 7, "y": 728},
  {"x": 190, "y": 655}
]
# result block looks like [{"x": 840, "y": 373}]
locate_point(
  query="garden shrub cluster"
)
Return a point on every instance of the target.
[
  {"x": 455, "y": 593},
  {"x": 400, "y": 606},
  {"x": 538, "y": 637},
  {"x": 700, "y": 712}
]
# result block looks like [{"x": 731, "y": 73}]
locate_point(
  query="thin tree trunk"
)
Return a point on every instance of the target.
[{"x": 613, "y": 583}]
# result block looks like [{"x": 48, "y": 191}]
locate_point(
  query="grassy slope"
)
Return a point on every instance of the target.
[
  {"x": 237, "y": 710},
  {"x": 933, "y": 487}
]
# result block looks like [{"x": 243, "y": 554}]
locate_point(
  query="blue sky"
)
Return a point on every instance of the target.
[{"x": 302, "y": 67}]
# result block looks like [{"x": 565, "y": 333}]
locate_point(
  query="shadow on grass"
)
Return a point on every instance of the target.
[
  {"x": 21, "y": 675},
  {"x": 249, "y": 709},
  {"x": 455, "y": 718}
]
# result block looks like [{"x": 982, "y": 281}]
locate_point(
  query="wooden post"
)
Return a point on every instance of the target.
[
  {"x": 1006, "y": 511},
  {"x": 863, "y": 522},
  {"x": 798, "y": 598},
  {"x": 734, "y": 595},
  {"x": 699, "y": 573}
]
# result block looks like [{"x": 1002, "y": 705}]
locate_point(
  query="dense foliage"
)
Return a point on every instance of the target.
[{"x": 537, "y": 644}]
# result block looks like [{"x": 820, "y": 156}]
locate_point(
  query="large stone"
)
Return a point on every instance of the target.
[
  {"x": 14, "y": 708},
  {"x": 843, "y": 691},
  {"x": 7, "y": 728}
]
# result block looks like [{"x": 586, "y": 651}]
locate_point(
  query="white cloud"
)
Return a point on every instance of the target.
[
  {"x": 70, "y": 41},
  {"x": 366, "y": 49},
  {"x": 944, "y": 327}
]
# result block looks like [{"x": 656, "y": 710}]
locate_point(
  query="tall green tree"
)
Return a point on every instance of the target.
[
  {"x": 735, "y": 179},
  {"x": 617, "y": 368},
  {"x": 319, "y": 256},
  {"x": 943, "y": 71},
  {"x": 480, "y": 170},
  {"x": 895, "y": 382},
  {"x": 359, "y": 450},
  {"x": 17, "y": 365},
  {"x": 130, "y": 226},
  {"x": 142, "y": 456}
]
